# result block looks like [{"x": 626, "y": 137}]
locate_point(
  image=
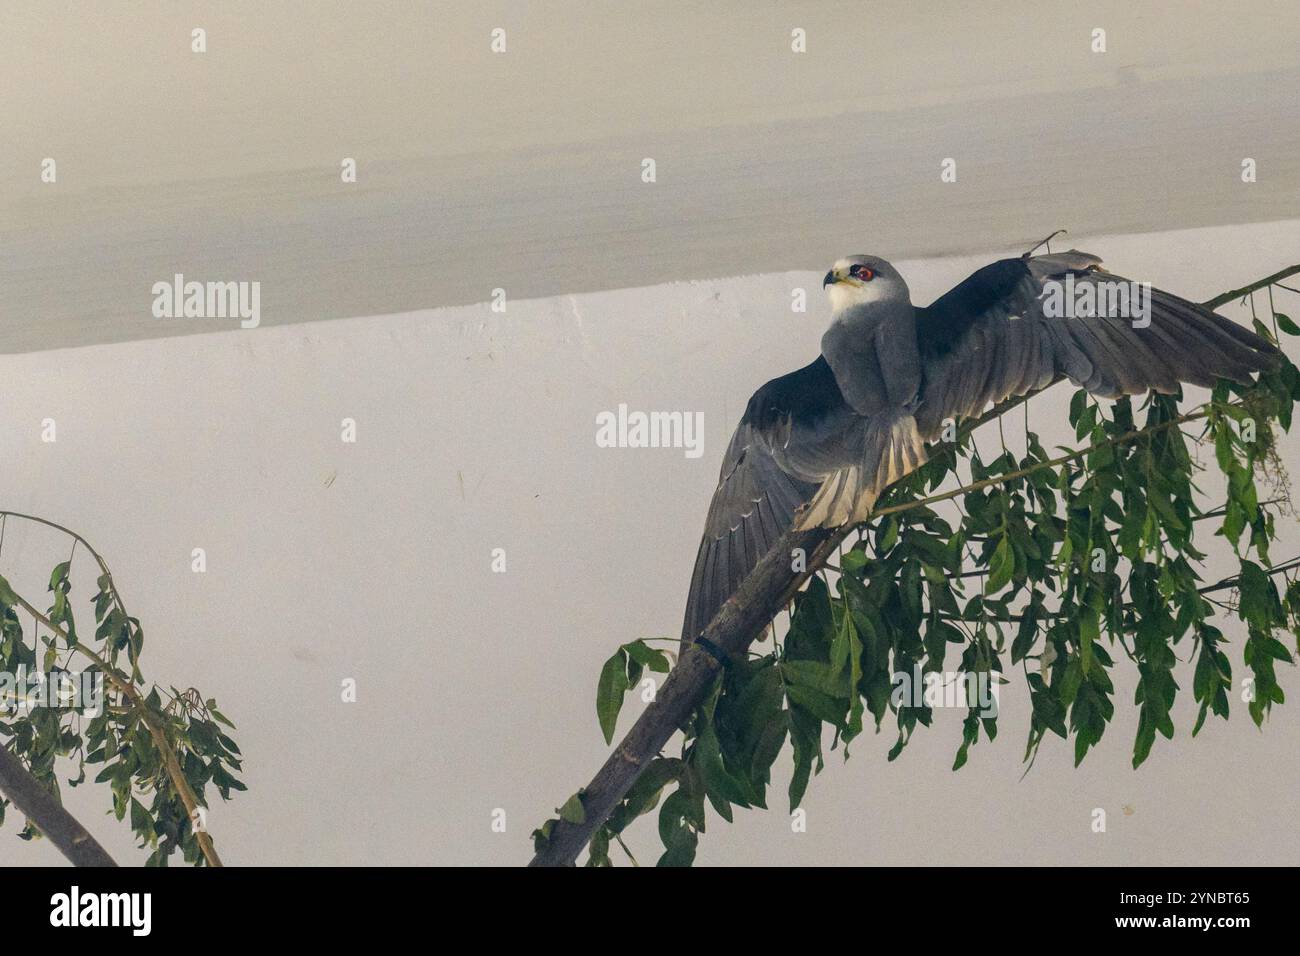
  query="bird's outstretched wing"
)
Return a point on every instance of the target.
[
  {"x": 990, "y": 338},
  {"x": 995, "y": 336},
  {"x": 757, "y": 496}
]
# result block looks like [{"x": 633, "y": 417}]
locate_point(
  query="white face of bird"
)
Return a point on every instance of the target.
[{"x": 857, "y": 280}]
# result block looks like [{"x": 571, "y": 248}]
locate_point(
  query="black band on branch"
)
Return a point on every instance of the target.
[{"x": 713, "y": 650}]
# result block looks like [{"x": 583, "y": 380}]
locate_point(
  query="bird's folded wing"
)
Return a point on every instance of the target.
[{"x": 991, "y": 338}]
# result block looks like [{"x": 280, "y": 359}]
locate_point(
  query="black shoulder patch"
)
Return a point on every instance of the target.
[
  {"x": 805, "y": 395},
  {"x": 941, "y": 324}
]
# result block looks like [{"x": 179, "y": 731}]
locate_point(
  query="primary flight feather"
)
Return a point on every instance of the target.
[{"x": 817, "y": 447}]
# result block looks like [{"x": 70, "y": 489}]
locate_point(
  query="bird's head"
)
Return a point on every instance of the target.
[{"x": 857, "y": 280}]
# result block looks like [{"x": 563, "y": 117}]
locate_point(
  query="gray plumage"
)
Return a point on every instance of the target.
[{"x": 817, "y": 447}]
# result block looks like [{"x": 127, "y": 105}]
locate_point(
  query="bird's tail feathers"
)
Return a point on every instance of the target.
[{"x": 891, "y": 448}]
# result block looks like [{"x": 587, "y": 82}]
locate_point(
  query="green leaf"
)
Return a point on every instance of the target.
[
  {"x": 59, "y": 575},
  {"x": 768, "y": 747},
  {"x": 644, "y": 793},
  {"x": 719, "y": 784},
  {"x": 805, "y": 751},
  {"x": 818, "y": 704},
  {"x": 1089, "y": 631},
  {"x": 140, "y": 819},
  {"x": 815, "y": 675},
  {"x": 1078, "y": 402},
  {"x": 573, "y": 810},
  {"x": 609, "y": 693},
  {"x": 1001, "y": 567},
  {"x": 679, "y": 821},
  {"x": 646, "y": 656},
  {"x": 854, "y": 725},
  {"x": 599, "y": 849},
  {"x": 1027, "y": 633}
]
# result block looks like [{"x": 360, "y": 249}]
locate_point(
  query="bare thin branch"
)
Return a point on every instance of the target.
[{"x": 1246, "y": 290}]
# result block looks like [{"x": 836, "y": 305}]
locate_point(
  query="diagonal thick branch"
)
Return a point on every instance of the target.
[
  {"x": 766, "y": 590},
  {"x": 740, "y": 621},
  {"x": 48, "y": 815}
]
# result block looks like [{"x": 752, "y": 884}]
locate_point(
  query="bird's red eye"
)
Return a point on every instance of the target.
[{"x": 862, "y": 272}]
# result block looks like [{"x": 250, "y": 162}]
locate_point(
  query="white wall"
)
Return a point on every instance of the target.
[{"x": 476, "y": 431}]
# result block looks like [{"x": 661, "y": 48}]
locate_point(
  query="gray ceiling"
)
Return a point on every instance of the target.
[{"x": 523, "y": 170}]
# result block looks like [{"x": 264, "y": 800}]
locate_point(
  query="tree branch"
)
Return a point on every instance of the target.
[
  {"x": 740, "y": 620},
  {"x": 1235, "y": 580},
  {"x": 40, "y": 807},
  {"x": 1246, "y": 290},
  {"x": 1059, "y": 615}
]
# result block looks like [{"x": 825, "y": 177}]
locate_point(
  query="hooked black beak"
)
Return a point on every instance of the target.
[{"x": 830, "y": 279}]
